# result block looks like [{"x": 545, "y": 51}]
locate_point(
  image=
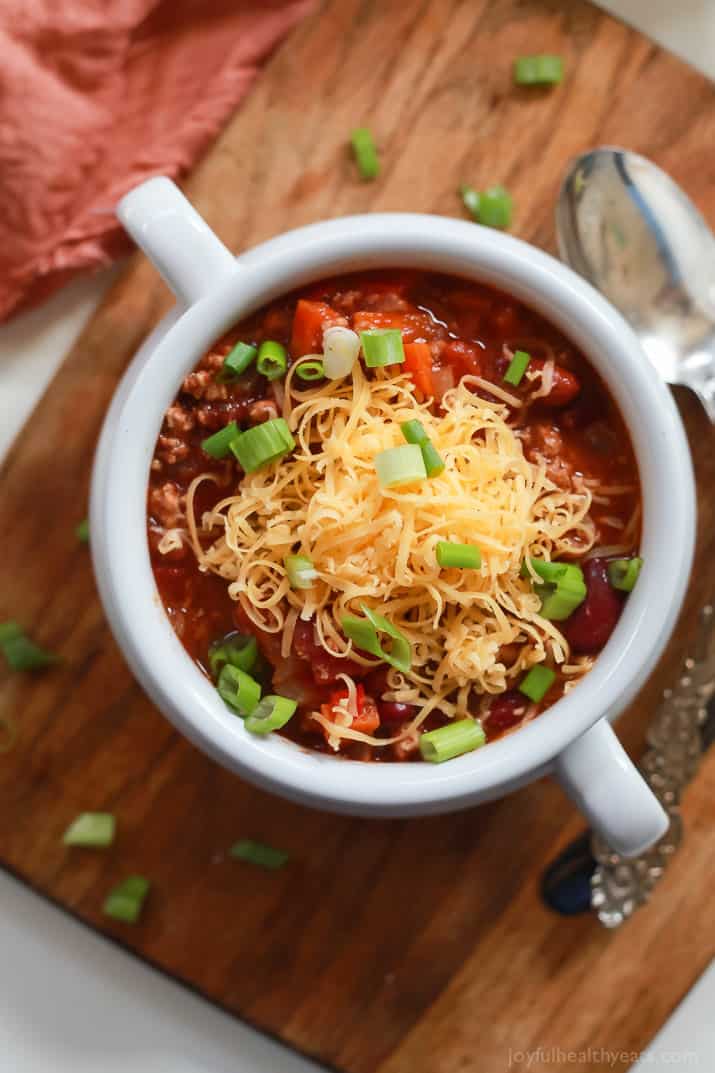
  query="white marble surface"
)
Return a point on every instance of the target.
[{"x": 72, "y": 1003}]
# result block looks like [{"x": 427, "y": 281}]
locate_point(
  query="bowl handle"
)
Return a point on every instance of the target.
[
  {"x": 599, "y": 777},
  {"x": 175, "y": 238}
]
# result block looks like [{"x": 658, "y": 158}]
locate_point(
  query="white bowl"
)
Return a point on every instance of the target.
[{"x": 573, "y": 738}]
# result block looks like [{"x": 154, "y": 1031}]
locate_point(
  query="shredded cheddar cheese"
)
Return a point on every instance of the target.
[{"x": 377, "y": 546}]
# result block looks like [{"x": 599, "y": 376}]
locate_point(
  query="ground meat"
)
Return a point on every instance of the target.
[
  {"x": 171, "y": 449},
  {"x": 179, "y": 418},
  {"x": 202, "y": 385},
  {"x": 166, "y": 505},
  {"x": 543, "y": 443},
  {"x": 263, "y": 410}
]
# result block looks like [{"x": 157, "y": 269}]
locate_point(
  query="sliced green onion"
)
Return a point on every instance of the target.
[
  {"x": 470, "y": 197},
  {"x": 219, "y": 445},
  {"x": 382, "y": 346},
  {"x": 272, "y": 359},
  {"x": 312, "y": 369},
  {"x": 459, "y": 555},
  {"x": 559, "y": 603},
  {"x": 341, "y": 349},
  {"x": 495, "y": 208},
  {"x": 241, "y": 692},
  {"x": 365, "y": 152},
  {"x": 82, "y": 531},
  {"x": 263, "y": 444},
  {"x": 271, "y": 714},
  {"x": 564, "y": 589},
  {"x": 517, "y": 367},
  {"x": 538, "y": 70},
  {"x": 258, "y": 853},
  {"x": 414, "y": 432},
  {"x": 453, "y": 740},
  {"x": 93, "y": 830},
  {"x": 300, "y": 570},
  {"x": 10, "y": 631},
  {"x": 434, "y": 463},
  {"x": 400, "y": 465},
  {"x": 623, "y": 573},
  {"x": 537, "y": 682},
  {"x": 237, "y": 650},
  {"x": 22, "y": 654},
  {"x": 237, "y": 361},
  {"x": 364, "y": 635},
  {"x": 126, "y": 900}
]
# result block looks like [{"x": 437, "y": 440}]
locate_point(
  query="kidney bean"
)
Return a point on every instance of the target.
[
  {"x": 394, "y": 712},
  {"x": 591, "y": 624},
  {"x": 506, "y": 711}
]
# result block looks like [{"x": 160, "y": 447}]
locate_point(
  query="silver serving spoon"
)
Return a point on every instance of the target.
[{"x": 632, "y": 232}]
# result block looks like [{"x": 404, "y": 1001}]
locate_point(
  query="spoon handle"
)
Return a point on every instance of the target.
[{"x": 701, "y": 380}]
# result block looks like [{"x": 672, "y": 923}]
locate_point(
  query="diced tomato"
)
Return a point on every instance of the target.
[
  {"x": 309, "y": 322},
  {"x": 418, "y": 362},
  {"x": 566, "y": 385},
  {"x": 367, "y": 719},
  {"x": 465, "y": 357},
  {"x": 414, "y": 326}
]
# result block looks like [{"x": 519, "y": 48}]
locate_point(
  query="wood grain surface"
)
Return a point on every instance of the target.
[{"x": 396, "y": 947}]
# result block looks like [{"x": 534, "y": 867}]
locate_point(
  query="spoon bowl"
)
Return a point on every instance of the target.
[{"x": 624, "y": 225}]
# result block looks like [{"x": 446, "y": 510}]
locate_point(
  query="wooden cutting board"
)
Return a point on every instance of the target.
[{"x": 383, "y": 946}]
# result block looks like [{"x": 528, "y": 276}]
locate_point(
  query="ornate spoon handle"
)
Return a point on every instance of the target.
[{"x": 675, "y": 739}]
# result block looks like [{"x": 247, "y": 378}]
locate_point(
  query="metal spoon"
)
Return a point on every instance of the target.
[{"x": 632, "y": 232}]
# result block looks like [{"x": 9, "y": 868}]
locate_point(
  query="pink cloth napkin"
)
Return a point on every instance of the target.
[{"x": 98, "y": 95}]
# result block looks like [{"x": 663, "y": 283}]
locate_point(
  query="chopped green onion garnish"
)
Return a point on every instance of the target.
[
  {"x": 623, "y": 573},
  {"x": 365, "y": 152},
  {"x": 382, "y": 346},
  {"x": 126, "y": 900},
  {"x": 272, "y": 359},
  {"x": 237, "y": 650},
  {"x": 219, "y": 445},
  {"x": 459, "y": 555},
  {"x": 538, "y": 70},
  {"x": 300, "y": 570},
  {"x": 560, "y": 603},
  {"x": 434, "y": 463},
  {"x": 400, "y": 465},
  {"x": 517, "y": 367},
  {"x": 495, "y": 208},
  {"x": 263, "y": 444},
  {"x": 564, "y": 588},
  {"x": 94, "y": 830},
  {"x": 414, "y": 432},
  {"x": 470, "y": 197},
  {"x": 238, "y": 689},
  {"x": 10, "y": 631},
  {"x": 312, "y": 369},
  {"x": 237, "y": 361},
  {"x": 82, "y": 531},
  {"x": 20, "y": 652},
  {"x": 364, "y": 635},
  {"x": 271, "y": 714},
  {"x": 454, "y": 740},
  {"x": 537, "y": 682},
  {"x": 258, "y": 853},
  {"x": 553, "y": 572}
]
